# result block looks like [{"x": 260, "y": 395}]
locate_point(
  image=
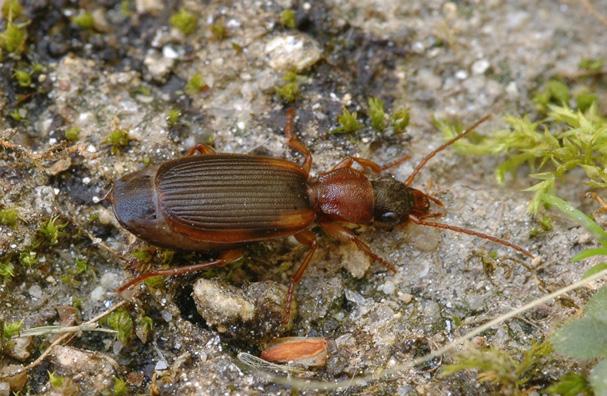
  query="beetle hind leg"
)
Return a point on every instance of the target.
[
  {"x": 305, "y": 238},
  {"x": 227, "y": 257}
]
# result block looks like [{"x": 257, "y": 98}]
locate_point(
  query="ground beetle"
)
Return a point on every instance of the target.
[{"x": 217, "y": 201}]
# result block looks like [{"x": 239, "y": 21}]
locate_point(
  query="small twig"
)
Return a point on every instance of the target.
[
  {"x": 65, "y": 336},
  {"x": 44, "y": 330}
]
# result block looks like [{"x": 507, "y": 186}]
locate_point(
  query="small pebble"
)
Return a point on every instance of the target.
[{"x": 480, "y": 66}]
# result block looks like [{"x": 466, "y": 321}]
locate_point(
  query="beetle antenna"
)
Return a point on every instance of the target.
[
  {"x": 440, "y": 148},
  {"x": 477, "y": 234}
]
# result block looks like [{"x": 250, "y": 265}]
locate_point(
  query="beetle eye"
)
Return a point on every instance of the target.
[{"x": 389, "y": 217}]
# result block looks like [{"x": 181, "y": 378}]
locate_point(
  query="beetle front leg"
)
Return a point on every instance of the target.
[
  {"x": 368, "y": 164},
  {"x": 305, "y": 238},
  {"x": 343, "y": 234},
  {"x": 202, "y": 149},
  {"x": 227, "y": 257}
]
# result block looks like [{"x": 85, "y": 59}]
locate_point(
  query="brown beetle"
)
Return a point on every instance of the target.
[{"x": 221, "y": 201}]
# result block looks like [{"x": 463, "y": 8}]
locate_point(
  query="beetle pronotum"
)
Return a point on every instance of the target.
[{"x": 219, "y": 201}]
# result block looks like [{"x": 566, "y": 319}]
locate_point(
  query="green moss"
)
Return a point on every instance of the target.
[
  {"x": 348, "y": 122},
  {"x": 122, "y": 323},
  {"x": 287, "y": 19},
  {"x": 510, "y": 374},
  {"x": 118, "y": 139},
  {"x": 143, "y": 255},
  {"x": 289, "y": 90},
  {"x": 28, "y": 258},
  {"x": 55, "y": 380},
  {"x": 51, "y": 230},
  {"x": 377, "y": 114},
  {"x": 24, "y": 78},
  {"x": 72, "y": 133},
  {"x": 564, "y": 140},
  {"x": 184, "y": 21},
  {"x": 592, "y": 64},
  {"x": 13, "y": 39},
  {"x": 219, "y": 30},
  {"x": 400, "y": 120},
  {"x": 585, "y": 99},
  {"x": 7, "y": 270},
  {"x": 18, "y": 114},
  {"x": 84, "y": 20},
  {"x": 570, "y": 384},
  {"x": 80, "y": 266},
  {"x": 11, "y": 9},
  {"x": 554, "y": 92},
  {"x": 195, "y": 85},
  {"x": 120, "y": 387},
  {"x": 9, "y": 216},
  {"x": 173, "y": 117},
  {"x": 12, "y": 329},
  {"x": 143, "y": 328}
]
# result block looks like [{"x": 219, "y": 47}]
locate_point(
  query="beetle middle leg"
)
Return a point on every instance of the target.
[
  {"x": 305, "y": 238},
  {"x": 226, "y": 257},
  {"x": 343, "y": 234},
  {"x": 296, "y": 144},
  {"x": 369, "y": 164},
  {"x": 202, "y": 149}
]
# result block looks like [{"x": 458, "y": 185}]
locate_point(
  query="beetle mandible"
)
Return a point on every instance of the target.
[{"x": 220, "y": 201}]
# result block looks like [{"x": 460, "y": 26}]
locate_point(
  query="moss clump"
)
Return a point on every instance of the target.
[
  {"x": 184, "y": 21},
  {"x": 51, "y": 230},
  {"x": 13, "y": 39},
  {"x": 219, "y": 30},
  {"x": 348, "y": 122},
  {"x": 585, "y": 99},
  {"x": 12, "y": 329},
  {"x": 173, "y": 117},
  {"x": 566, "y": 139},
  {"x": 400, "y": 120},
  {"x": 84, "y": 20},
  {"x": 9, "y": 216},
  {"x": 287, "y": 19},
  {"x": 24, "y": 78},
  {"x": 554, "y": 92},
  {"x": 289, "y": 91},
  {"x": 72, "y": 133},
  {"x": 196, "y": 85},
  {"x": 120, "y": 387},
  {"x": 377, "y": 114},
  {"x": 592, "y": 65},
  {"x": 118, "y": 139},
  {"x": 7, "y": 270},
  {"x": 28, "y": 258},
  {"x": 122, "y": 323},
  {"x": 11, "y": 9}
]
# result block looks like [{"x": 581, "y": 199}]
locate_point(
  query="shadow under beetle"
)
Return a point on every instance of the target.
[{"x": 220, "y": 201}]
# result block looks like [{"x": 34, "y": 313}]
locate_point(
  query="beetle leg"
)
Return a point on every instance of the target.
[
  {"x": 202, "y": 149},
  {"x": 371, "y": 165},
  {"x": 305, "y": 238},
  {"x": 365, "y": 163},
  {"x": 226, "y": 257},
  {"x": 295, "y": 143},
  {"x": 343, "y": 234}
]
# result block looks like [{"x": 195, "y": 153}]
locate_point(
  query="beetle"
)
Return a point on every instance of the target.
[{"x": 221, "y": 201}]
